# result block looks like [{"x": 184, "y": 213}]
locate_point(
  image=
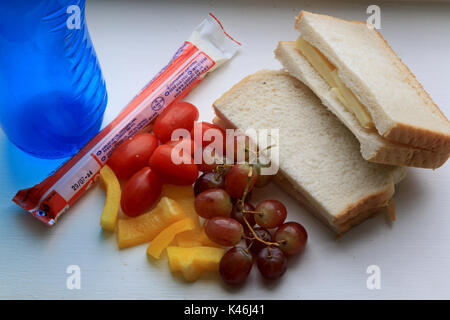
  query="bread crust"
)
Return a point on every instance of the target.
[
  {"x": 351, "y": 216},
  {"x": 407, "y": 134},
  {"x": 424, "y": 138},
  {"x": 411, "y": 158},
  {"x": 387, "y": 152}
]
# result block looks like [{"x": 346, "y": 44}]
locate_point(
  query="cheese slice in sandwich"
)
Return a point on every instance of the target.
[
  {"x": 319, "y": 160},
  {"x": 350, "y": 67}
]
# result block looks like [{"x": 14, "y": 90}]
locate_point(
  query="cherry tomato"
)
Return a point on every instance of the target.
[
  {"x": 132, "y": 155},
  {"x": 183, "y": 173},
  {"x": 179, "y": 115},
  {"x": 185, "y": 144},
  {"x": 140, "y": 192},
  {"x": 201, "y": 128}
]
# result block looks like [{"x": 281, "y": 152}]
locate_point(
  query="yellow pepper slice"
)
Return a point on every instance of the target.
[
  {"x": 184, "y": 195},
  {"x": 205, "y": 241},
  {"x": 182, "y": 262},
  {"x": 165, "y": 237},
  {"x": 110, "y": 183},
  {"x": 192, "y": 262},
  {"x": 146, "y": 227},
  {"x": 197, "y": 239},
  {"x": 188, "y": 239}
]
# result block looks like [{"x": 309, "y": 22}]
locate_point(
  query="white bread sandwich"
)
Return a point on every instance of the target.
[
  {"x": 319, "y": 160},
  {"x": 355, "y": 73}
]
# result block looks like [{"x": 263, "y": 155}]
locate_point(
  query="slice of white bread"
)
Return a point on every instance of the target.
[
  {"x": 401, "y": 109},
  {"x": 320, "y": 163},
  {"x": 374, "y": 147}
]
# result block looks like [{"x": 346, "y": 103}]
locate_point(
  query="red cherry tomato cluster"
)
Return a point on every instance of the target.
[
  {"x": 148, "y": 160},
  {"x": 145, "y": 160}
]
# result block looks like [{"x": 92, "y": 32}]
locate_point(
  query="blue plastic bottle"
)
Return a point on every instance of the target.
[{"x": 52, "y": 93}]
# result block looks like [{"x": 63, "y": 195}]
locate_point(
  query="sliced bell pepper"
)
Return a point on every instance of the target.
[
  {"x": 165, "y": 237},
  {"x": 177, "y": 192},
  {"x": 110, "y": 183},
  {"x": 146, "y": 227},
  {"x": 188, "y": 239},
  {"x": 192, "y": 262},
  {"x": 184, "y": 195},
  {"x": 197, "y": 239},
  {"x": 181, "y": 261},
  {"x": 205, "y": 241}
]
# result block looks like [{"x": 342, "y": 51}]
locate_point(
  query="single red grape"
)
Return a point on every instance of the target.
[
  {"x": 213, "y": 203},
  {"x": 257, "y": 245},
  {"x": 272, "y": 214},
  {"x": 224, "y": 231},
  {"x": 237, "y": 178},
  {"x": 238, "y": 215},
  {"x": 291, "y": 237},
  {"x": 263, "y": 180},
  {"x": 272, "y": 262},
  {"x": 235, "y": 265},
  {"x": 208, "y": 180}
]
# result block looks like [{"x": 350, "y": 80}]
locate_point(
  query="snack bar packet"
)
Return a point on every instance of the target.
[{"x": 208, "y": 47}]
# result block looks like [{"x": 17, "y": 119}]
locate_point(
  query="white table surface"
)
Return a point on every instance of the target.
[{"x": 133, "y": 40}]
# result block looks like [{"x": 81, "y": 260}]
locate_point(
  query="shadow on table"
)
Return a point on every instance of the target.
[
  {"x": 410, "y": 190},
  {"x": 25, "y": 170},
  {"x": 29, "y": 224}
]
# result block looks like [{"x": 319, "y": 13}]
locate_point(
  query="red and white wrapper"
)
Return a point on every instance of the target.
[{"x": 208, "y": 47}]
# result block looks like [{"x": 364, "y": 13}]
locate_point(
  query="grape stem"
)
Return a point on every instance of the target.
[
  {"x": 222, "y": 166},
  {"x": 251, "y": 212},
  {"x": 266, "y": 148},
  {"x": 249, "y": 179},
  {"x": 219, "y": 169},
  {"x": 270, "y": 253},
  {"x": 259, "y": 151},
  {"x": 267, "y": 243},
  {"x": 249, "y": 246}
]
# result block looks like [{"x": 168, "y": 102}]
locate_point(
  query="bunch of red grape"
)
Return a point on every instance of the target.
[{"x": 222, "y": 198}]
